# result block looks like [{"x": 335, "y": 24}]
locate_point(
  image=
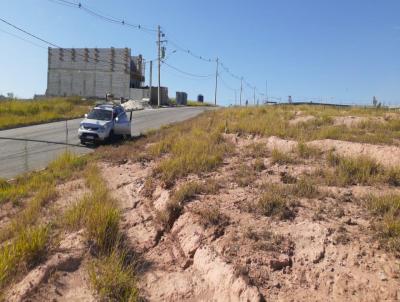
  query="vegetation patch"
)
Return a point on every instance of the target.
[
  {"x": 211, "y": 215},
  {"x": 16, "y": 113},
  {"x": 306, "y": 152},
  {"x": 359, "y": 170},
  {"x": 387, "y": 207},
  {"x": 305, "y": 187},
  {"x": 30, "y": 214},
  {"x": 113, "y": 278},
  {"x": 244, "y": 175},
  {"x": 281, "y": 158},
  {"x": 193, "y": 147},
  {"x": 25, "y": 251},
  {"x": 275, "y": 202},
  {"x": 61, "y": 169},
  {"x": 96, "y": 212}
]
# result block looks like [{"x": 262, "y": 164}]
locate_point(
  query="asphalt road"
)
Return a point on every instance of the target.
[{"x": 33, "y": 147}]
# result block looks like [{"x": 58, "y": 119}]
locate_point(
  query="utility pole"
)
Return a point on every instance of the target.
[
  {"x": 235, "y": 98},
  {"x": 159, "y": 66},
  {"x": 151, "y": 78},
  {"x": 254, "y": 95},
  {"x": 216, "y": 84},
  {"x": 241, "y": 89},
  {"x": 266, "y": 89}
]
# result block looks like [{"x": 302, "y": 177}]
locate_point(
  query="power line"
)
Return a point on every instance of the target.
[
  {"x": 103, "y": 16},
  {"x": 95, "y": 60},
  {"x": 188, "y": 73},
  {"x": 225, "y": 84},
  {"x": 138, "y": 26},
  {"x": 189, "y": 52},
  {"x": 23, "y": 39}
]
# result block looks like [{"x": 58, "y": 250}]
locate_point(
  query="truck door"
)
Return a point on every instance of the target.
[{"x": 122, "y": 125}]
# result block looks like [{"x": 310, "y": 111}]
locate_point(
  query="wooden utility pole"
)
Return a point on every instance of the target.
[
  {"x": 216, "y": 84},
  {"x": 159, "y": 67}
]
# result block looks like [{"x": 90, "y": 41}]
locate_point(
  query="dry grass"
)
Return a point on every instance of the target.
[
  {"x": 195, "y": 147},
  {"x": 306, "y": 152},
  {"x": 96, "y": 212},
  {"x": 387, "y": 208},
  {"x": 305, "y": 187},
  {"x": 256, "y": 150},
  {"x": 28, "y": 112},
  {"x": 30, "y": 215},
  {"x": 112, "y": 273},
  {"x": 275, "y": 202},
  {"x": 26, "y": 250},
  {"x": 64, "y": 167},
  {"x": 211, "y": 215},
  {"x": 244, "y": 175},
  {"x": 281, "y": 158},
  {"x": 259, "y": 165},
  {"x": 113, "y": 278},
  {"x": 177, "y": 201},
  {"x": 358, "y": 170}
]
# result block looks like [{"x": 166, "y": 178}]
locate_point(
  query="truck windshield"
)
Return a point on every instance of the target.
[{"x": 100, "y": 114}]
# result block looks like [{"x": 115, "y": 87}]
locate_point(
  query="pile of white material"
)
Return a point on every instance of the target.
[{"x": 136, "y": 105}]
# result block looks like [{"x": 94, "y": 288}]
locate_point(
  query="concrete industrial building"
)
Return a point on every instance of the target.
[{"x": 94, "y": 72}]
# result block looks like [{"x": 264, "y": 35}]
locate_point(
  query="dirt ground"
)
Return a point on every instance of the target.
[{"x": 326, "y": 252}]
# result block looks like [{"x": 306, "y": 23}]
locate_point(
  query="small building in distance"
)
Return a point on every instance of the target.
[
  {"x": 181, "y": 98},
  {"x": 94, "y": 72}
]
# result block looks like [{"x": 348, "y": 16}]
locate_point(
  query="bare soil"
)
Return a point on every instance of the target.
[{"x": 326, "y": 251}]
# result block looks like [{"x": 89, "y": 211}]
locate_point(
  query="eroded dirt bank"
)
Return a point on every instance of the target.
[{"x": 326, "y": 250}]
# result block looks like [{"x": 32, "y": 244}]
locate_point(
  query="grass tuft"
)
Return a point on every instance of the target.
[
  {"x": 211, "y": 215},
  {"x": 25, "y": 251},
  {"x": 274, "y": 202},
  {"x": 281, "y": 158},
  {"x": 305, "y": 151},
  {"x": 387, "y": 207},
  {"x": 113, "y": 278}
]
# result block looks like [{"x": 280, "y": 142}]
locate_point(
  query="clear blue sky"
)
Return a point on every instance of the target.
[{"x": 341, "y": 51}]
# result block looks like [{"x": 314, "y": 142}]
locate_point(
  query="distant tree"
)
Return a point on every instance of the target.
[
  {"x": 374, "y": 101},
  {"x": 379, "y": 105}
]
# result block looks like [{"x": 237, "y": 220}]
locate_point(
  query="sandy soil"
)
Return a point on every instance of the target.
[
  {"x": 328, "y": 249},
  {"x": 327, "y": 252}
]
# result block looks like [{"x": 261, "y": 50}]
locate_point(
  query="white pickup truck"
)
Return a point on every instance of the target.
[{"x": 104, "y": 122}]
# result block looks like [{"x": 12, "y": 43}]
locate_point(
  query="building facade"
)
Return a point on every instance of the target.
[{"x": 94, "y": 72}]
